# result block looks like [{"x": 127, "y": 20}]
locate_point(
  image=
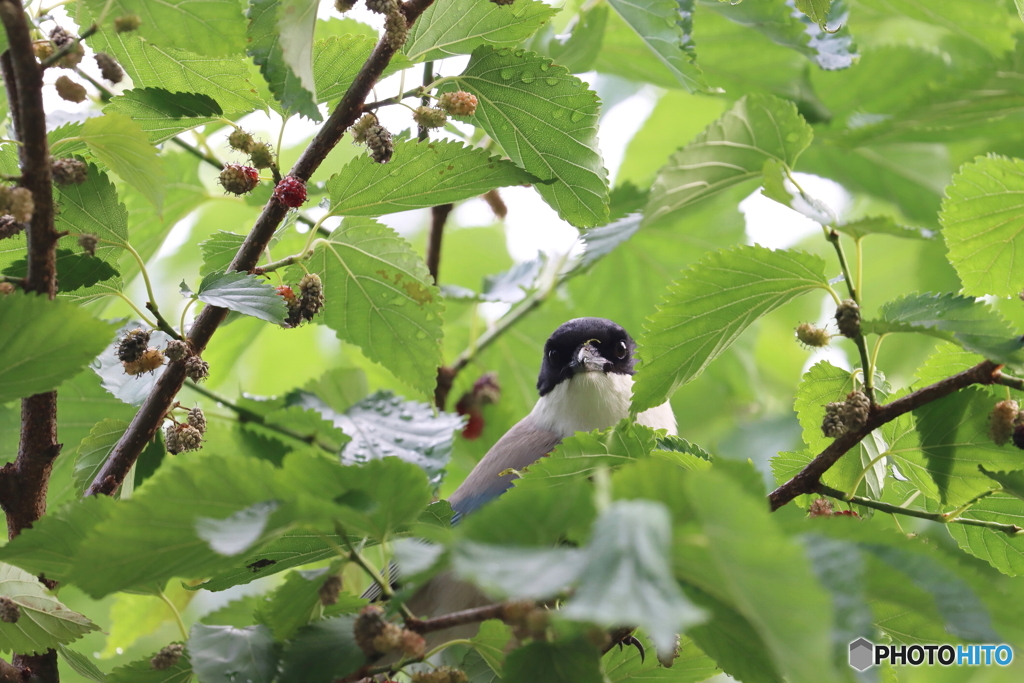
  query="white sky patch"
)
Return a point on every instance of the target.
[{"x": 775, "y": 226}]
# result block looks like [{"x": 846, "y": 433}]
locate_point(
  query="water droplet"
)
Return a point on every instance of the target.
[
  {"x": 520, "y": 52},
  {"x": 503, "y": 52},
  {"x": 429, "y": 450},
  {"x": 544, "y": 66},
  {"x": 405, "y": 415},
  {"x": 506, "y": 74},
  {"x": 577, "y": 116},
  {"x": 527, "y": 77},
  {"x": 558, "y": 113},
  {"x": 421, "y": 334},
  {"x": 385, "y": 411},
  {"x": 551, "y": 81},
  {"x": 398, "y": 301},
  {"x": 399, "y": 439},
  {"x": 430, "y": 316}
]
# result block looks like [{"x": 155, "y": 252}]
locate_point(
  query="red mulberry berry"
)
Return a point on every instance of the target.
[{"x": 291, "y": 192}]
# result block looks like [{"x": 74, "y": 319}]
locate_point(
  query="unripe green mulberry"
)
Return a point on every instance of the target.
[
  {"x": 381, "y": 6},
  {"x": 429, "y": 117},
  {"x": 69, "y": 90},
  {"x": 848, "y": 318},
  {"x": 396, "y": 29},
  {"x": 809, "y": 335},
  {"x": 361, "y": 127},
  {"x": 311, "y": 295},
  {"x": 241, "y": 140},
  {"x": 459, "y": 103},
  {"x": 261, "y": 155}
]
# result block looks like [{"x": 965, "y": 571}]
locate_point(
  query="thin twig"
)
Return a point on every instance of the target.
[
  {"x": 467, "y": 616},
  {"x": 862, "y": 348},
  {"x": 146, "y": 422},
  {"x": 1009, "y": 529},
  {"x": 392, "y": 100},
  {"x": 246, "y": 415},
  {"x": 807, "y": 480}
]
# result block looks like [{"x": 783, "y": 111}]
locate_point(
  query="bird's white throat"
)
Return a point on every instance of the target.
[{"x": 594, "y": 400}]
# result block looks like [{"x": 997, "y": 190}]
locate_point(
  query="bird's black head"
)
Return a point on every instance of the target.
[{"x": 585, "y": 345}]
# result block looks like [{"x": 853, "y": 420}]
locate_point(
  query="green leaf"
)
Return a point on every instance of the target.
[
  {"x": 816, "y": 10},
  {"x": 657, "y": 24},
  {"x": 336, "y": 61},
  {"x": 599, "y": 242},
  {"x": 491, "y": 642},
  {"x": 322, "y": 652},
  {"x": 971, "y": 324},
  {"x": 378, "y": 296},
  {"x": 74, "y": 271},
  {"x": 162, "y": 114},
  {"x": 458, "y": 27},
  {"x": 121, "y": 144},
  {"x": 133, "y": 390},
  {"x": 546, "y": 121},
  {"x": 82, "y": 664},
  {"x": 1002, "y": 551},
  {"x": 383, "y": 425},
  {"x": 296, "y": 20},
  {"x": 713, "y": 302},
  {"x": 266, "y": 47},
  {"x": 626, "y": 666},
  {"x": 142, "y": 671},
  {"x": 44, "y": 622},
  {"x": 981, "y": 224},
  {"x": 236, "y": 533},
  {"x": 219, "y": 250},
  {"x": 223, "y": 654},
  {"x": 518, "y": 572},
  {"x": 293, "y": 549},
  {"x": 564, "y": 661},
  {"x": 882, "y": 225},
  {"x": 940, "y": 449},
  {"x": 578, "y": 52},
  {"x": 732, "y": 642},
  {"x": 94, "y": 449},
  {"x": 1012, "y": 482},
  {"x": 983, "y": 23},
  {"x": 155, "y": 66},
  {"x": 419, "y": 175},
  {"x": 628, "y": 578},
  {"x": 134, "y": 616},
  {"x": 730, "y": 151},
  {"x": 247, "y": 294},
  {"x": 211, "y": 27},
  {"x": 764, "y": 573},
  {"x": 830, "y": 49},
  {"x": 44, "y": 343},
  {"x": 296, "y": 602}
]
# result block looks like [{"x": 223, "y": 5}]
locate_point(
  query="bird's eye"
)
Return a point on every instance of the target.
[
  {"x": 621, "y": 350},
  {"x": 553, "y": 354}
]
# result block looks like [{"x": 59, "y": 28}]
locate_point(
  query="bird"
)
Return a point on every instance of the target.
[{"x": 585, "y": 383}]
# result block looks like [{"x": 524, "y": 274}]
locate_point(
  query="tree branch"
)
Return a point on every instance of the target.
[
  {"x": 807, "y": 480},
  {"x": 146, "y": 422},
  {"x": 438, "y": 217},
  {"x": 941, "y": 518}
]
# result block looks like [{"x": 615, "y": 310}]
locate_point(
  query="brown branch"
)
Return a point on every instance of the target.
[
  {"x": 807, "y": 480},
  {"x": 466, "y": 616},
  {"x": 23, "y": 483},
  {"x": 438, "y": 216},
  {"x": 10, "y": 673},
  {"x": 147, "y": 421}
]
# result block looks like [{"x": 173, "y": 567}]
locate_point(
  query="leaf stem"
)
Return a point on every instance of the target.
[
  {"x": 142, "y": 316},
  {"x": 176, "y": 613},
  {"x": 1008, "y": 529},
  {"x": 184, "y": 310},
  {"x": 862, "y": 348},
  {"x": 863, "y": 474}
]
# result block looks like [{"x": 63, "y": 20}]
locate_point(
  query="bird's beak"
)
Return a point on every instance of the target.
[{"x": 587, "y": 358}]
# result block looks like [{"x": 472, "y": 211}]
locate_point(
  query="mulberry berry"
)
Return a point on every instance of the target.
[
  {"x": 69, "y": 90},
  {"x": 238, "y": 179},
  {"x": 167, "y": 657},
  {"x": 361, "y": 127},
  {"x": 378, "y": 141},
  {"x": 344, "y": 6},
  {"x": 848, "y": 318},
  {"x": 189, "y": 438},
  {"x": 820, "y": 507},
  {"x": 390, "y": 638},
  {"x": 429, "y": 117},
  {"x": 855, "y": 410},
  {"x": 381, "y": 6},
  {"x": 197, "y": 419},
  {"x": 109, "y": 68},
  {"x": 291, "y": 192},
  {"x": 311, "y": 295},
  {"x": 9, "y": 227},
  {"x": 241, "y": 140},
  {"x": 88, "y": 243},
  {"x": 261, "y": 156},
  {"x": 368, "y": 625},
  {"x": 69, "y": 171},
  {"x": 151, "y": 359},
  {"x": 196, "y": 369},
  {"x": 21, "y": 205},
  {"x": 1002, "y": 420},
  {"x": 809, "y": 335},
  {"x": 1018, "y": 436},
  {"x": 396, "y": 29},
  {"x": 6, "y": 288},
  {"x": 503, "y": 2},
  {"x": 330, "y": 590},
  {"x": 9, "y": 610},
  {"x": 459, "y": 103},
  {"x": 131, "y": 347},
  {"x": 128, "y": 22},
  {"x": 176, "y": 350},
  {"x": 832, "y": 425},
  {"x": 60, "y": 36}
]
